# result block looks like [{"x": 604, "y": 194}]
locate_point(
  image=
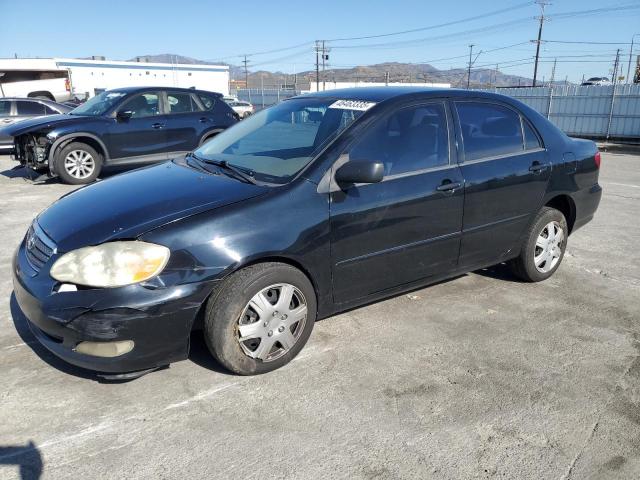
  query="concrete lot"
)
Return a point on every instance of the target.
[{"x": 478, "y": 377}]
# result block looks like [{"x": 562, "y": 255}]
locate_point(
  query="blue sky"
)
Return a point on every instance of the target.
[{"x": 224, "y": 30}]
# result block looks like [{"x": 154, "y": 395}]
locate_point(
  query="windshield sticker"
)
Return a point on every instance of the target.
[{"x": 352, "y": 105}]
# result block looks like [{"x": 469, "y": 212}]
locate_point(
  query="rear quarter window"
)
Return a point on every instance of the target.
[{"x": 208, "y": 101}]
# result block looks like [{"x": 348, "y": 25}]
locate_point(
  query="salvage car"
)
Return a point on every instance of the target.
[
  {"x": 14, "y": 110},
  {"x": 319, "y": 204},
  {"x": 124, "y": 126}
]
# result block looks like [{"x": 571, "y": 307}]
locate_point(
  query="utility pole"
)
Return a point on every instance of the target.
[
  {"x": 553, "y": 72},
  {"x": 630, "y": 57},
  {"x": 317, "y": 66},
  {"x": 542, "y": 4},
  {"x": 615, "y": 69},
  {"x": 469, "y": 67},
  {"x": 324, "y": 57},
  {"x": 386, "y": 78},
  {"x": 246, "y": 72}
]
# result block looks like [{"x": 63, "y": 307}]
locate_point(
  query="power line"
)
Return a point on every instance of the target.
[{"x": 433, "y": 27}]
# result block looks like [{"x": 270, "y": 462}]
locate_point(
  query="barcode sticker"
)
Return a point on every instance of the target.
[{"x": 352, "y": 105}]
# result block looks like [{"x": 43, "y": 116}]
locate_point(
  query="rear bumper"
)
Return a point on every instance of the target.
[
  {"x": 586, "y": 202},
  {"x": 157, "y": 320}
]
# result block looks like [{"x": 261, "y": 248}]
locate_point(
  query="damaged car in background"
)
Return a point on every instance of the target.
[{"x": 125, "y": 126}]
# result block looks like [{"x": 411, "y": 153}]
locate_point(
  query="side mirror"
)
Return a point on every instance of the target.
[
  {"x": 359, "y": 171},
  {"x": 124, "y": 115}
]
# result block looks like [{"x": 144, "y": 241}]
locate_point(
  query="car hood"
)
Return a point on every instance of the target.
[
  {"x": 130, "y": 204},
  {"x": 45, "y": 122}
]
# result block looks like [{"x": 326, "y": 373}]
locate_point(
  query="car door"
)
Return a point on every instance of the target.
[
  {"x": 141, "y": 134},
  {"x": 408, "y": 226},
  {"x": 505, "y": 179},
  {"x": 185, "y": 122},
  {"x": 6, "y": 113}
]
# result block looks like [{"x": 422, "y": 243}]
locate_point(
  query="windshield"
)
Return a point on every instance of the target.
[
  {"x": 98, "y": 105},
  {"x": 276, "y": 143}
]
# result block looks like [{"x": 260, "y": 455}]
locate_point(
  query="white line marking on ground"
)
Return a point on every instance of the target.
[{"x": 621, "y": 184}]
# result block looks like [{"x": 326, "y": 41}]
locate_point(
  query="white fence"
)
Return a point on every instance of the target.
[{"x": 590, "y": 111}]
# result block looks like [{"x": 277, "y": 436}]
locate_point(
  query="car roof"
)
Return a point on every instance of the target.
[
  {"x": 380, "y": 94},
  {"x": 173, "y": 89}
]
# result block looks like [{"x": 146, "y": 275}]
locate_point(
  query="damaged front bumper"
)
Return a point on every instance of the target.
[
  {"x": 32, "y": 151},
  {"x": 158, "y": 321}
]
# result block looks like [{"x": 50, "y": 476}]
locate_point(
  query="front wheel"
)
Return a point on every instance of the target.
[
  {"x": 543, "y": 248},
  {"x": 260, "y": 318},
  {"x": 78, "y": 163}
]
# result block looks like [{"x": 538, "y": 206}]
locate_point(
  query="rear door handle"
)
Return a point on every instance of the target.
[
  {"x": 204, "y": 120},
  {"x": 448, "y": 186},
  {"x": 157, "y": 125},
  {"x": 538, "y": 167}
]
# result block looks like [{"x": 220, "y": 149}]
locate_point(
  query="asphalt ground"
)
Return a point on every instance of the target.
[{"x": 481, "y": 376}]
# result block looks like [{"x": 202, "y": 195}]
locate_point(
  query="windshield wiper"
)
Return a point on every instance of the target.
[{"x": 224, "y": 165}]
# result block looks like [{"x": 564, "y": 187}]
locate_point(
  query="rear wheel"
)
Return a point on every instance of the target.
[
  {"x": 260, "y": 318},
  {"x": 78, "y": 163},
  {"x": 543, "y": 248}
]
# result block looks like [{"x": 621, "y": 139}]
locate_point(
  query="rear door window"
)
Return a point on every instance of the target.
[
  {"x": 489, "y": 130},
  {"x": 411, "y": 139},
  {"x": 179, "y": 102},
  {"x": 30, "y": 108}
]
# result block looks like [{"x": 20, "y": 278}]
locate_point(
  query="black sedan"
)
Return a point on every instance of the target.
[{"x": 317, "y": 205}]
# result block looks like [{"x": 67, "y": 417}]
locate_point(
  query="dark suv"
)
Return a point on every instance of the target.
[{"x": 120, "y": 127}]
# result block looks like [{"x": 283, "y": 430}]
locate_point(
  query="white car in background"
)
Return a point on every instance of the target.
[{"x": 243, "y": 109}]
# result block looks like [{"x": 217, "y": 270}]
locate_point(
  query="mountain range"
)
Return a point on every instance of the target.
[{"x": 393, "y": 71}]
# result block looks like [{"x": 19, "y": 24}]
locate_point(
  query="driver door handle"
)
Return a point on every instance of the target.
[
  {"x": 448, "y": 186},
  {"x": 157, "y": 125},
  {"x": 537, "y": 167}
]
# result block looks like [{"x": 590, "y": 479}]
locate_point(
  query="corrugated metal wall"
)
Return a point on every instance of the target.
[{"x": 586, "y": 111}]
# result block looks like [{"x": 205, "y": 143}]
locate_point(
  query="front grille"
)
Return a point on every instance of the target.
[{"x": 39, "y": 247}]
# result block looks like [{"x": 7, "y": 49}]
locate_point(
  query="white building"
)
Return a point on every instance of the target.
[{"x": 64, "y": 78}]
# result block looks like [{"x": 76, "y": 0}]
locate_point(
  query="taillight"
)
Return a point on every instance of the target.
[
  {"x": 67, "y": 84},
  {"x": 596, "y": 157}
]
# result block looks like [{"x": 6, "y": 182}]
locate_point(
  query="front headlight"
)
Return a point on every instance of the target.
[{"x": 111, "y": 264}]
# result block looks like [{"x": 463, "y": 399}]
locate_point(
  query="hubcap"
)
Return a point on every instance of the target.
[
  {"x": 79, "y": 164},
  {"x": 272, "y": 322},
  {"x": 548, "y": 249}
]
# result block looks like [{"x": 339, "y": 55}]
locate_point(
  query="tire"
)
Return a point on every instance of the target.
[
  {"x": 538, "y": 258},
  {"x": 78, "y": 163},
  {"x": 246, "y": 115},
  {"x": 229, "y": 315}
]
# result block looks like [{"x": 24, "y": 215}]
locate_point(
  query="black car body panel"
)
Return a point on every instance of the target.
[
  {"x": 123, "y": 141},
  {"x": 356, "y": 244},
  {"x": 128, "y": 207}
]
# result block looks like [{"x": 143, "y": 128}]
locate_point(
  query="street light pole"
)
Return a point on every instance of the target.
[
  {"x": 631, "y": 55},
  {"x": 469, "y": 68}
]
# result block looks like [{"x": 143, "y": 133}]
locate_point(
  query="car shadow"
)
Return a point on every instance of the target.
[
  {"x": 27, "y": 457},
  {"x": 31, "y": 176},
  {"x": 499, "y": 272},
  {"x": 200, "y": 355},
  {"x": 21, "y": 326}
]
